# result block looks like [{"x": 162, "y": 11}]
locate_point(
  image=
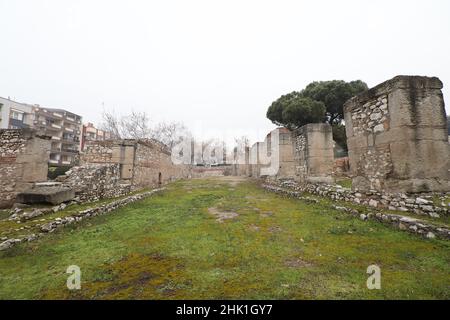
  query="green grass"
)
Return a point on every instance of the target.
[
  {"x": 12, "y": 229},
  {"x": 169, "y": 246},
  {"x": 345, "y": 182}
]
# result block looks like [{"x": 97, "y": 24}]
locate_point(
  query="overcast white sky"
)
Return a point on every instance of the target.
[{"x": 215, "y": 65}]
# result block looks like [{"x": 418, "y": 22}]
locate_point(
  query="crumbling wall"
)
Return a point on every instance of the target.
[
  {"x": 313, "y": 153},
  {"x": 99, "y": 152},
  {"x": 23, "y": 161},
  {"x": 95, "y": 181},
  {"x": 142, "y": 163},
  {"x": 153, "y": 166},
  {"x": 397, "y": 136},
  {"x": 341, "y": 166}
]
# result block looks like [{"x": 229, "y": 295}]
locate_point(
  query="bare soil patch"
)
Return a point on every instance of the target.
[
  {"x": 297, "y": 263},
  {"x": 222, "y": 215}
]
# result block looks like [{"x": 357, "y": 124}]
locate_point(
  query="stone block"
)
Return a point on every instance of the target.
[{"x": 49, "y": 195}]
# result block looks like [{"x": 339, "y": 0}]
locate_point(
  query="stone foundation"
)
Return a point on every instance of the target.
[
  {"x": 417, "y": 204},
  {"x": 413, "y": 225},
  {"x": 79, "y": 216}
]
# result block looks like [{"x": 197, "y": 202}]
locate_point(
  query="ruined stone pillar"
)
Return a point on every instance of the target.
[
  {"x": 397, "y": 136},
  {"x": 313, "y": 153},
  {"x": 24, "y": 159},
  {"x": 254, "y": 160}
]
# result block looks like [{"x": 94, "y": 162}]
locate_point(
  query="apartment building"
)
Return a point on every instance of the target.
[
  {"x": 65, "y": 129},
  {"x": 15, "y": 115},
  {"x": 91, "y": 133}
]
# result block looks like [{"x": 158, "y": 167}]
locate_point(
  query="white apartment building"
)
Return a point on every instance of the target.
[
  {"x": 64, "y": 128},
  {"x": 15, "y": 115}
]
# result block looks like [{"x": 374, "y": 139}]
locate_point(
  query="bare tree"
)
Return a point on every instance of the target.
[
  {"x": 136, "y": 126},
  {"x": 170, "y": 133},
  {"x": 112, "y": 124},
  {"x": 133, "y": 126},
  {"x": 242, "y": 141}
]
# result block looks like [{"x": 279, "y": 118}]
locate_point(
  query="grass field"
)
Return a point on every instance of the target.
[{"x": 224, "y": 238}]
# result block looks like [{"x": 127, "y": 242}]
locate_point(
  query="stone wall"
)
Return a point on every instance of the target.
[
  {"x": 397, "y": 136},
  {"x": 418, "y": 204},
  {"x": 421, "y": 227},
  {"x": 313, "y": 152},
  {"x": 23, "y": 160},
  {"x": 142, "y": 163},
  {"x": 254, "y": 166},
  {"x": 76, "y": 217},
  {"x": 92, "y": 182},
  {"x": 153, "y": 166},
  {"x": 341, "y": 166},
  {"x": 241, "y": 162},
  {"x": 272, "y": 157},
  {"x": 286, "y": 154}
]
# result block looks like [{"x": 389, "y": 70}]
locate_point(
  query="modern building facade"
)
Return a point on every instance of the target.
[
  {"x": 15, "y": 115},
  {"x": 64, "y": 128},
  {"x": 91, "y": 133}
]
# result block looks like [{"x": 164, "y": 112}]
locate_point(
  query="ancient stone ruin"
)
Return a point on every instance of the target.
[
  {"x": 313, "y": 153},
  {"x": 397, "y": 136},
  {"x": 305, "y": 154},
  {"x": 115, "y": 167},
  {"x": 23, "y": 161}
]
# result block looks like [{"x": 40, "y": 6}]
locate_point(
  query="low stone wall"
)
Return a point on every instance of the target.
[
  {"x": 23, "y": 161},
  {"x": 399, "y": 202},
  {"x": 77, "y": 217},
  {"x": 408, "y": 224},
  {"x": 92, "y": 182}
]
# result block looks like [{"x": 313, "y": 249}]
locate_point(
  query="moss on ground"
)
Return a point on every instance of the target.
[
  {"x": 345, "y": 182},
  {"x": 12, "y": 229},
  {"x": 170, "y": 246}
]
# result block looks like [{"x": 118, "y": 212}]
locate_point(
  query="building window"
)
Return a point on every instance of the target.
[{"x": 17, "y": 115}]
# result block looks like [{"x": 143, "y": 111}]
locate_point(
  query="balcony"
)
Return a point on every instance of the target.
[
  {"x": 70, "y": 140},
  {"x": 68, "y": 129},
  {"x": 56, "y": 138},
  {"x": 56, "y": 126},
  {"x": 69, "y": 150},
  {"x": 59, "y": 115}
]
